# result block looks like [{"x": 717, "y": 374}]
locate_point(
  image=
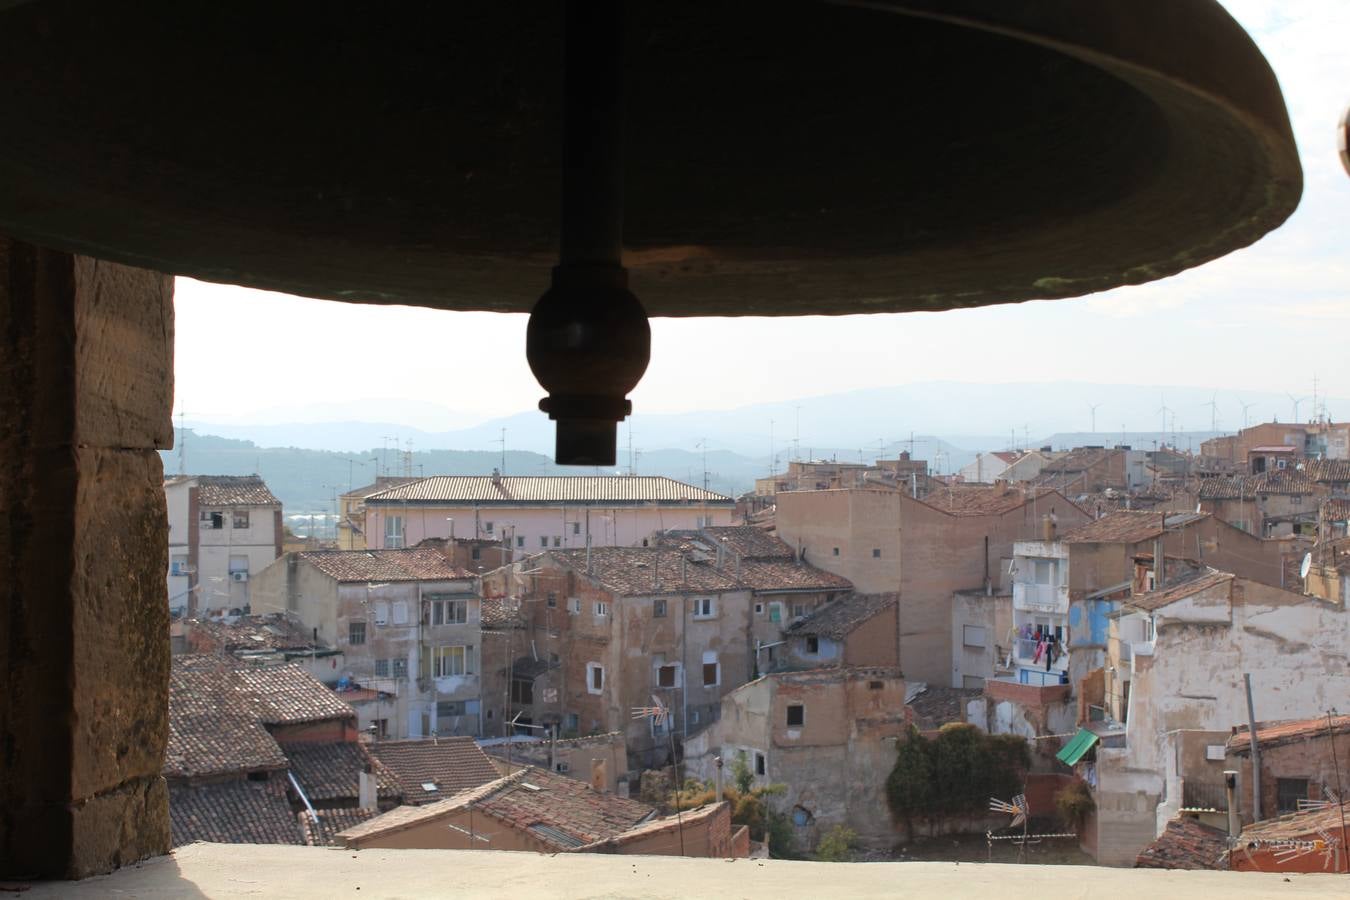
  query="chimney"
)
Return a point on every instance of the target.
[
  {"x": 1230, "y": 791},
  {"x": 600, "y": 776},
  {"x": 367, "y": 790},
  {"x": 496, "y": 476}
]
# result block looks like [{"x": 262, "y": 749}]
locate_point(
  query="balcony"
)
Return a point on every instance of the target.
[
  {"x": 1024, "y": 656},
  {"x": 1040, "y": 598},
  {"x": 1203, "y": 796}
]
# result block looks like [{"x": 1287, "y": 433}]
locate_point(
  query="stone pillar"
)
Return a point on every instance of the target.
[{"x": 86, "y": 351}]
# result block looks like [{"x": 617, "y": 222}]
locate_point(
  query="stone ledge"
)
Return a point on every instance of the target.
[{"x": 239, "y": 870}]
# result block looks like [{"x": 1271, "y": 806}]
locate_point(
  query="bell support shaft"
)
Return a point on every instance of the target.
[{"x": 588, "y": 340}]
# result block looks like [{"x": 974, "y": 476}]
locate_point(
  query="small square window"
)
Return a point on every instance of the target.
[
  {"x": 659, "y": 607},
  {"x": 876, "y": 553},
  {"x": 356, "y": 633},
  {"x": 704, "y": 607},
  {"x": 759, "y": 609},
  {"x": 710, "y": 674},
  {"x": 543, "y": 541},
  {"x": 240, "y": 518},
  {"x": 666, "y": 676},
  {"x": 557, "y": 541},
  {"x": 576, "y": 528},
  {"x": 836, "y": 551},
  {"x": 595, "y": 678},
  {"x": 476, "y": 553},
  {"x": 813, "y": 644},
  {"x": 552, "y": 600},
  {"x": 601, "y": 609},
  {"x": 487, "y": 526},
  {"x": 796, "y": 715},
  {"x": 520, "y": 540},
  {"x": 381, "y": 668},
  {"x": 400, "y": 667},
  {"x": 875, "y": 685},
  {"x": 761, "y": 764}
]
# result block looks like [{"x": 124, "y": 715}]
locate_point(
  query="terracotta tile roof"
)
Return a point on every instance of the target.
[
  {"x": 1296, "y": 826},
  {"x": 1128, "y": 526},
  {"x": 452, "y": 764},
  {"x": 332, "y": 771},
  {"x": 232, "y": 812},
  {"x": 324, "y": 832},
  {"x": 769, "y": 575},
  {"x": 1078, "y": 460},
  {"x": 1281, "y": 481},
  {"x": 1336, "y": 510},
  {"x": 749, "y": 542},
  {"x": 1168, "y": 594},
  {"x": 1272, "y": 734},
  {"x": 287, "y": 695},
  {"x": 1185, "y": 844},
  {"x": 665, "y": 824},
  {"x": 644, "y": 571},
  {"x": 1273, "y": 448},
  {"x": 500, "y": 613},
  {"x": 548, "y": 489},
  {"x": 234, "y": 490},
  {"x": 415, "y": 564},
  {"x": 382, "y": 483},
  {"x": 212, "y": 730},
  {"x": 981, "y": 500},
  {"x": 570, "y": 812},
  {"x": 1326, "y": 471},
  {"x": 837, "y": 619},
  {"x": 401, "y": 817},
  {"x": 937, "y": 705},
  {"x": 244, "y": 633}
]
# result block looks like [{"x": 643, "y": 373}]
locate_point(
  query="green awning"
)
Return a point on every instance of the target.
[{"x": 1076, "y": 748}]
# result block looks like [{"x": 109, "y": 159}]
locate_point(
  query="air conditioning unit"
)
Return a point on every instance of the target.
[{"x": 239, "y": 576}]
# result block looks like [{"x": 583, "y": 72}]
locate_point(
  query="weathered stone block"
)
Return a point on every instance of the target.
[
  {"x": 123, "y": 355},
  {"x": 120, "y": 827},
  {"x": 120, "y": 620}
]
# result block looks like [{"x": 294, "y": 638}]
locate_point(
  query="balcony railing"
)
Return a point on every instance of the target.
[
  {"x": 1204, "y": 795},
  {"x": 1026, "y": 656}
]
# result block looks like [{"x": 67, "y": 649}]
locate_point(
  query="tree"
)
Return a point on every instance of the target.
[
  {"x": 838, "y": 845},
  {"x": 909, "y": 787}
]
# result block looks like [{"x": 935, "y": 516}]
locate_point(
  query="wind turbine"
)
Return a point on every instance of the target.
[
  {"x": 1163, "y": 411},
  {"x": 1213, "y": 405},
  {"x": 1093, "y": 407},
  {"x": 1295, "y": 401},
  {"x": 1245, "y": 407}
]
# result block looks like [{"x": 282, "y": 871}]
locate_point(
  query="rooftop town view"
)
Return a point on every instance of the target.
[{"x": 799, "y": 551}]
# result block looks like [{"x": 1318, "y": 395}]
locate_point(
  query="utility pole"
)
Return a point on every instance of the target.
[
  {"x": 796, "y": 436},
  {"x": 502, "y": 440},
  {"x": 703, "y": 443},
  {"x": 1256, "y": 750}
]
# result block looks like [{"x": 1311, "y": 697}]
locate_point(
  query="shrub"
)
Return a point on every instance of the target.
[
  {"x": 955, "y": 774},
  {"x": 838, "y": 845},
  {"x": 1074, "y": 804}
]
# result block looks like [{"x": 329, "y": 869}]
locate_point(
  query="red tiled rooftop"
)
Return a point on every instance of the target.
[
  {"x": 1185, "y": 844},
  {"x": 838, "y": 618},
  {"x": 414, "y": 564},
  {"x": 1128, "y": 526},
  {"x": 516, "y": 490},
  {"x": 237, "y": 811},
  {"x": 1288, "y": 732},
  {"x": 646, "y": 571},
  {"x": 1168, "y": 594},
  {"x": 452, "y": 764},
  {"x": 234, "y": 490}
]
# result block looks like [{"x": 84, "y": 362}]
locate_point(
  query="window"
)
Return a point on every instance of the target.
[
  {"x": 576, "y": 528},
  {"x": 449, "y": 612},
  {"x": 574, "y": 605},
  {"x": 400, "y": 667},
  {"x": 178, "y": 565},
  {"x": 238, "y": 564},
  {"x": 381, "y": 613},
  {"x": 972, "y": 635},
  {"x": 836, "y": 551},
  {"x": 876, "y": 553},
  {"x": 572, "y": 722},
  {"x": 400, "y": 612},
  {"x": 380, "y": 727},
  {"x": 759, "y": 609},
  {"x": 878, "y": 685},
  {"x": 659, "y": 607},
  {"x": 522, "y": 690},
  {"x": 799, "y": 610},
  {"x": 973, "y": 682},
  {"x": 552, "y": 600},
  {"x": 449, "y": 660},
  {"x": 447, "y": 708},
  {"x": 543, "y": 541},
  {"x": 1043, "y": 571},
  {"x": 393, "y": 532},
  {"x": 476, "y": 553},
  {"x": 761, "y": 764},
  {"x": 520, "y": 540},
  {"x": 240, "y": 518},
  {"x": 1288, "y": 791},
  {"x": 381, "y": 668},
  {"x": 601, "y": 609},
  {"x": 796, "y": 715},
  {"x": 712, "y": 670},
  {"x": 812, "y": 644},
  {"x": 356, "y": 633},
  {"x": 667, "y": 676},
  {"x": 212, "y": 520},
  {"x": 487, "y": 526},
  {"x": 705, "y": 607},
  {"x": 801, "y": 816},
  {"x": 595, "y": 678},
  {"x": 557, "y": 541}
]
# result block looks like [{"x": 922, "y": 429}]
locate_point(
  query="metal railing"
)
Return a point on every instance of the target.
[{"x": 1204, "y": 795}]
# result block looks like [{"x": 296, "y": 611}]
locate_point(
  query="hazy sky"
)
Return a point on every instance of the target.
[{"x": 1265, "y": 318}]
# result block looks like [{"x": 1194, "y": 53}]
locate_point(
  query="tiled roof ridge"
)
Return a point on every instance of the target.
[{"x": 514, "y": 489}]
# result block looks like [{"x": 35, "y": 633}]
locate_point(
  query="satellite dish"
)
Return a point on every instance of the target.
[{"x": 1305, "y": 565}]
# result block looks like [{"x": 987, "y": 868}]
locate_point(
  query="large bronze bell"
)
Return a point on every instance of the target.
[{"x": 777, "y": 159}]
